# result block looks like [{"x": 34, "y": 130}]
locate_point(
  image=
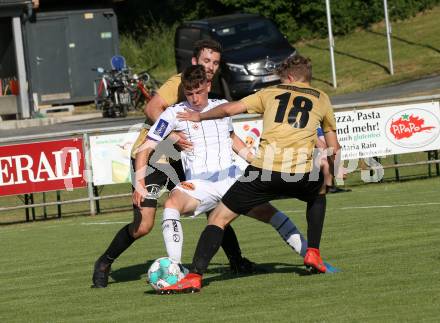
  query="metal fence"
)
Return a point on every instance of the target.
[{"x": 93, "y": 198}]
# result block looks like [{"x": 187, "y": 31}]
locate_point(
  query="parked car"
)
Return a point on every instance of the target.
[{"x": 252, "y": 48}]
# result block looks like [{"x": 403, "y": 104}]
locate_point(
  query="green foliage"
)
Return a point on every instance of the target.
[
  {"x": 307, "y": 19},
  {"x": 155, "y": 48}
]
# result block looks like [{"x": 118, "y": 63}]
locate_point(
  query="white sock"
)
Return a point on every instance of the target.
[
  {"x": 289, "y": 232},
  {"x": 172, "y": 233}
]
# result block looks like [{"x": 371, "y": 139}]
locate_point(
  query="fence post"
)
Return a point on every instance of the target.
[
  {"x": 33, "y": 208},
  {"x": 89, "y": 177},
  {"x": 44, "y": 207},
  {"x": 59, "y": 205},
  {"x": 396, "y": 170},
  {"x": 26, "y": 202},
  {"x": 437, "y": 166},
  {"x": 96, "y": 193}
]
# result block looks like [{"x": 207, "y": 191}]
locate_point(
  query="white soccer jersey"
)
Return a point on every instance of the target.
[{"x": 211, "y": 156}]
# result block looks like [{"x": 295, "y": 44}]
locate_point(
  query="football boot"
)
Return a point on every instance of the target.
[
  {"x": 101, "y": 272},
  {"x": 242, "y": 266},
  {"x": 191, "y": 283},
  {"x": 313, "y": 261}
]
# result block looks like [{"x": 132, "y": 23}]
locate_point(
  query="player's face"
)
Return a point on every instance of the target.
[
  {"x": 198, "y": 97},
  {"x": 210, "y": 61}
]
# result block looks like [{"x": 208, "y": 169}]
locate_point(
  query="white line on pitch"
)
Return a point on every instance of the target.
[
  {"x": 371, "y": 207},
  {"x": 126, "y": 222},
  {"x": 104, "y": 223},
  {"x": 295, "y": 211}
]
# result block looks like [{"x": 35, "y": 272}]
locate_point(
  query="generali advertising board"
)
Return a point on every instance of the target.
[
  {"x": 41, "y": 167},
  {"x": 389, "y": 131}
]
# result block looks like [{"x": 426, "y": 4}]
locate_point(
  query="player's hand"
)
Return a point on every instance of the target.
[
  {"x": 139, "y": 195},
  {"x": 181, "y": 141},
  {"x": 189, "y": 115}
]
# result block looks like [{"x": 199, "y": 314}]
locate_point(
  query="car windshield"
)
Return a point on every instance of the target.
[{"x": 247, "y": 33}]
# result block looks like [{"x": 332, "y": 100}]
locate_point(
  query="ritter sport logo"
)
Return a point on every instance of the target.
[{"x": 413, "y": 128}]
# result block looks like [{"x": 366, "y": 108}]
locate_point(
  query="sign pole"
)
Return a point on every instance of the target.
[
  {"x": 331, "y": 42},
  {"x": 88, "y": 172},
  {"x": 389, "y": 31}
]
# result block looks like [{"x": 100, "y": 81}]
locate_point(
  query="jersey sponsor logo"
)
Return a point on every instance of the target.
[
  {"x": 187, "y": 186},
  {"x": 161, "y": 127}
]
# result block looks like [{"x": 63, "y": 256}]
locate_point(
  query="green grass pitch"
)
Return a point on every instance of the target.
[{"x": 384, "y": 237}]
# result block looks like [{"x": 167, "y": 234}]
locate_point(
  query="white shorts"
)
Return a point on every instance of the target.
[{"x": 208, "y": 193}]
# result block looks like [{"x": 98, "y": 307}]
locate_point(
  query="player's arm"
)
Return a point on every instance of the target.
[
  {"x": 221, "y": 111},
  {"x": 320, "y": 143},
  {"x": 155, "y": 107},
  {"x": 141, "y": 163},
  {"x": 239, "y": 147},
  {"x": 334, "y": 150},
  {"x": 167, "y": 95},
  {"x": 153, "y": 110},
  {"x": 157, "y": 133},
  {"x": 328, "y": 126}
]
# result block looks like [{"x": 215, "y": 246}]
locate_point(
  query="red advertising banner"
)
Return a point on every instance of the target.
[{"x": 41, "y": 167}]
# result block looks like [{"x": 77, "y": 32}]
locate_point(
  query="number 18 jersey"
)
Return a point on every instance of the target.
[{"x": 291, "y": 114}]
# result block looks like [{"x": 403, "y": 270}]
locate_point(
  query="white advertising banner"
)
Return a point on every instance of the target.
[
  {"x": 111, "y": 157},
  {"x": 250, "y": 132},
  {"x": 389, "y": 130}
]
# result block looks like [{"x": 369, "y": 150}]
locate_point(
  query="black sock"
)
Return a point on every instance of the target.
[
  {"x": 230, "y": 244},
  {"x": 208, "y": 245},
  {"x": 315, "y": 220},
  {"x": 119, "y": 244}
]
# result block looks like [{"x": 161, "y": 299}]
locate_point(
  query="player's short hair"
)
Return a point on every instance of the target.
[
  {"x": 206, "y": 43},
  {"x": 297, "y": 66},
  {"x": 193, "y": 76}
]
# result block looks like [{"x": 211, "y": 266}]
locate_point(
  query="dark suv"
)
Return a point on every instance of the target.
[{"x": 252, "y": 48}]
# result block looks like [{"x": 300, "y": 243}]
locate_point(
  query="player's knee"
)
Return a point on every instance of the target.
[
  {"x": 142, "y": 229},
  {"x": 171, "y": 201},
  {"x": 263, "y": 212},
  {"x": 220, "y": 218},
  {"x": 176, "y": 200},
  {"x": 143, "y": 222}
]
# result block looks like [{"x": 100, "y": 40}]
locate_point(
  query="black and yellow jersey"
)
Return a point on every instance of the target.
[{"x": 291, "y": 114}]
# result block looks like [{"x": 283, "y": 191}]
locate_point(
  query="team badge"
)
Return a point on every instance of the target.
[
  {"x": 195, "y": 126},
  {"x": 188, "y": 186}
]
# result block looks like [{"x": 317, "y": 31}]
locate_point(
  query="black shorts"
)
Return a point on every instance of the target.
[
  {"x": 157, "y": 178},
  {"x": 257, "y": 186}
]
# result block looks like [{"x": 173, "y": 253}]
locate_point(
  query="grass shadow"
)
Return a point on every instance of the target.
[
  {"x": 408, "y": 42},
  {"x": 220, "y": 271},
  {"x": 366, "y": 60}
]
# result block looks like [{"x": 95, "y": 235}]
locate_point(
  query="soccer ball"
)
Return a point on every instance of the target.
[{"x": 165, "y": 272}]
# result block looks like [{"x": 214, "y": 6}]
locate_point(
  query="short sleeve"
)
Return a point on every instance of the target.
[
  {"x": 166, "y": 123},
  {"x": 170, "y": 90},
  {"x": 253, "y": 103},
  {"x": 329, "y": 121}
]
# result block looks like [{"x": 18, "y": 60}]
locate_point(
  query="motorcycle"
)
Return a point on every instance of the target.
[
  {"x": 120, "y": 91},
  {"x": 143, "y": 86}
]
